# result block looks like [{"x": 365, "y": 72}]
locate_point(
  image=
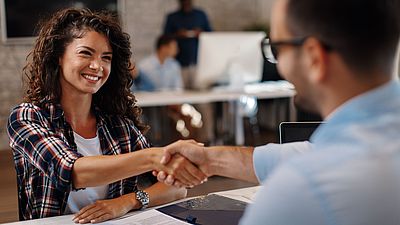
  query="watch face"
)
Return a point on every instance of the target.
[{"x": 143, "y": 197}]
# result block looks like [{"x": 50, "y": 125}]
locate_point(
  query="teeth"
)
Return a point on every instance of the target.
[{"x": 93, "y": 78}]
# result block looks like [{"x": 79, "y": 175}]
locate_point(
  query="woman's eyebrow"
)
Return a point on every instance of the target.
[{"x": 93, "y": 50}]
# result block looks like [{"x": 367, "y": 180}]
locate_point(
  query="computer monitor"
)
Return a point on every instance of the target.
[
  {"x": 296, "y": 131},
  {"x": 232, "y": 58},
  {"x": 19, "y": 18}
]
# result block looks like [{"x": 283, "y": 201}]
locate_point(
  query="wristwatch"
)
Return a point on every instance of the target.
[{"x": 143, "y": 197}]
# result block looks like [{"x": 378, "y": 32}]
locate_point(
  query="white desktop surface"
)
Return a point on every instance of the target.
[
  {"x": 145, "y": 217},
  {"x": 264, "y": 90}
]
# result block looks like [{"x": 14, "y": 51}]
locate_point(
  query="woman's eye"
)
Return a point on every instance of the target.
[
  {"x": 107, "y": 58},
  {"x": 85, "y": 53}
]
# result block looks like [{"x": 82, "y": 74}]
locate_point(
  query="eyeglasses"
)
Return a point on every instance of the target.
[{"x": 270, "y": 51}]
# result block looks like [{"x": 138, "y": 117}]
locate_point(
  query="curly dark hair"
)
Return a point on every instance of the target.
[{"x": 55, "y": 34}]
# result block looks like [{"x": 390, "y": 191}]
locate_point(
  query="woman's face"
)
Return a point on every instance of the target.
[{"x": 86, "y": 64}]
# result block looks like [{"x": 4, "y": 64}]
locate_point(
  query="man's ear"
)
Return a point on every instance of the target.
[{"x": 315, "y": 59}]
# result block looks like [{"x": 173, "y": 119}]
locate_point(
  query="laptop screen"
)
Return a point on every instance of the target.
[{"x": 296, "y": 131}]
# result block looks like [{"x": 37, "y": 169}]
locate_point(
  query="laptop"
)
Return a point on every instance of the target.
[{"x": 296, "y": 131}]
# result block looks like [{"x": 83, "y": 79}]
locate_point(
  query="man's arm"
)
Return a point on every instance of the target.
[
  {"x": 228, "y": 161},
  {"x": 231, "y": 161},
  {"x": 244, "y": 163}
]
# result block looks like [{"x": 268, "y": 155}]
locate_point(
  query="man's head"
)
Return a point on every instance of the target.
[
  {"x": 338, "y": 37},
  {"x": 167, "y": 46},
  {"x": 186, "y": 5}
]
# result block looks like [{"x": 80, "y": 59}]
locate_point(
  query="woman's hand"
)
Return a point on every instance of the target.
[
  {"x": 103, "y": 210},
  {"x": 184, "y": 171},
  {"x": 187, "y": 171}
]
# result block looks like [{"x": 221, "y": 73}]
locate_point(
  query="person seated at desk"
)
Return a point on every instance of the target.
[
  {"x": 161, "y": 68},
  {"x": 162, "y": 72},
  {"x": 76, "y": 138}
]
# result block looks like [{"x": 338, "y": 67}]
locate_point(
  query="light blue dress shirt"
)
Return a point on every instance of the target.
[
  {"x": 350, "y": 175},
  {"x": 166, "y": 76}
]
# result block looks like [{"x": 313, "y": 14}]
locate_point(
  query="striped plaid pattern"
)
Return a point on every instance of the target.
[{"x": 44, "y": 153}]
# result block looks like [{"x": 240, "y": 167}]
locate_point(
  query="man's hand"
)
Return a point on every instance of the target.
[
  {"x": 103, "y": 210},
  {"x": 182, "y": 170},
  {"x": 191, "y": 150}
]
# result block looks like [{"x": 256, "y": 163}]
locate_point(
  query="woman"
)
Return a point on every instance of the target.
[{"x": 75, "y": 138}]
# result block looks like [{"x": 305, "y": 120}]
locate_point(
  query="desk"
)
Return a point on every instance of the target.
[
  {"x": 244, "y": 194},
  {"x": 265, "y": 90}
]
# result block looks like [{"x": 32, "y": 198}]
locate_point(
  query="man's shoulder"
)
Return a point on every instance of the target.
[
  {"x": 174, "y": 14},
  {"x": 147, "y": 62},
  {"x": 199, "y": 12},
  {"x": 172, "y": 62}
]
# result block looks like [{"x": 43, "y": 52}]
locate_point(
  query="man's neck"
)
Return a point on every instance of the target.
[
  {"x": 161, "y": 57},
  {"x": 350, "y": 90}
]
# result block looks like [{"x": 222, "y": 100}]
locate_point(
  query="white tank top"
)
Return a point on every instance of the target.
[{"x": 79, "y": 199}]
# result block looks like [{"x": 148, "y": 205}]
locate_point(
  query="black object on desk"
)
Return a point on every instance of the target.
[{"x": 208, "y": 210}]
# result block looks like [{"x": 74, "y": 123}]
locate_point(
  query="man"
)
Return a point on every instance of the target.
[
  {"x": 160, "y": 68},
  {"x": 186, "y": 24},
  {"x": 340, "y": 56}
]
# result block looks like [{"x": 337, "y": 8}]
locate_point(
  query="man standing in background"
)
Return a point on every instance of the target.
[{"x": 185, "y": 25}]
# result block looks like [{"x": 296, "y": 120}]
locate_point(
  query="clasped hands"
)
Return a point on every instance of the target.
[{"x": 185, "y": 164}]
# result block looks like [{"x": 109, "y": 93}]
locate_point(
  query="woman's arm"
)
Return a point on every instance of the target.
[
  {"x": 103, "y": 210},
  {"x": 93, "y": 171}
]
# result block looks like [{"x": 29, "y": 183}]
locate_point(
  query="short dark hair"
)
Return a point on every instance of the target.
[
  {"x": 364, "y": 32},
  {"x": 164, "y": 40}
]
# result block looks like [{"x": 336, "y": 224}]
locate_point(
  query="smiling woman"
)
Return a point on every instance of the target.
[
  {"x": 76, "y": 136},
  {"x": 86, "y": 63}
]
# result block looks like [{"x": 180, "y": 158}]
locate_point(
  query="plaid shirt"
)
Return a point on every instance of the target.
[{"x": 44, "y": 154}]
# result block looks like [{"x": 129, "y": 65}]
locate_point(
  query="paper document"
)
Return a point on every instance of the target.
[
  {"x": 150, "y": 217},
  {"x": 243, "y": 194}
]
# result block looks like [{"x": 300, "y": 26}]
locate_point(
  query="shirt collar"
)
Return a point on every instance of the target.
[
  {"x": 361, "y": 107},
  {"x": 56, "y": 112}
]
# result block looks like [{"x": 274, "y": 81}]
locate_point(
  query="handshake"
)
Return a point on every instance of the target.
[
  {"x": 187, "y": 163},
  {"x": 183, "y": 164}
]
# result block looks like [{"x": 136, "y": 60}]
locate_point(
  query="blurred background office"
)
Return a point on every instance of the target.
[{"x": 143, "y": 20}]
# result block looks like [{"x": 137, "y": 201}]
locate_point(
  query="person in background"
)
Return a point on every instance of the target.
[
  {"x": 340, "y": 55},
  {"x": 161, "y": 72},
  {"x": 77, "y": 136},
  {"x": 161, "y": 69},
  {"x": 140, "y": 83},
  {"x": 186, "y": 24}
]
